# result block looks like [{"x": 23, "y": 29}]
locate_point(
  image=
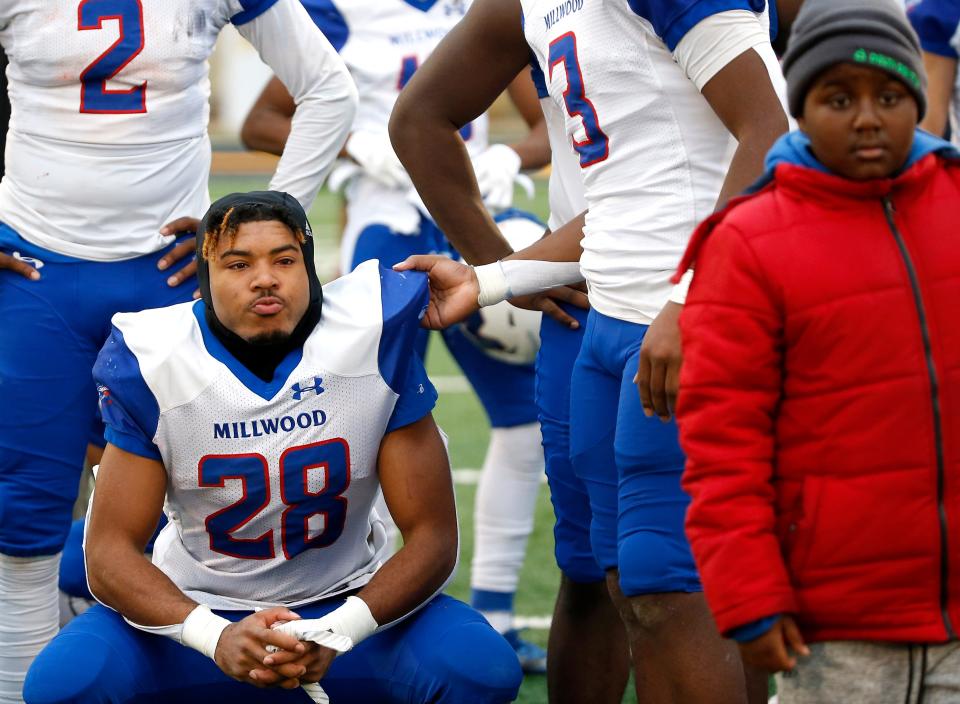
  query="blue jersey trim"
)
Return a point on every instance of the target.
[
  {"x": 127, "y": 405},
  {"x": 517, "y": 214},
  {"x": 753, "y": 630},
  {"x": 672, "y": 19},
  {"x": 266, "y": 390},
  {"x": 423, "y": 5},
  {"x": 936, "y": 24},
  {"x": 417, "y": 398},
  {"x": 252, "y": 9},
  {"x": 132, "y": 444},
  {"x": 539, "y": 80},
  {"x": 330, "y": 21}
]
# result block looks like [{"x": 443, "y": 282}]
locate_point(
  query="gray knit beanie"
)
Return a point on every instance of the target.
[{"x": 874, "y": 33}]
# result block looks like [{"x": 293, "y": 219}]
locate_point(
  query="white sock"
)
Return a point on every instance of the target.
[
  {"x": 505, "y": 503},
  {"x": 29, "y": 602}
]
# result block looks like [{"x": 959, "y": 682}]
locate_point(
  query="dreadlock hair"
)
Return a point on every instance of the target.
[{"x": 225, "y": 224}]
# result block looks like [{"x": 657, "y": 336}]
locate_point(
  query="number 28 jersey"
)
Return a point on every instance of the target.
[
  {"x": 108, "y": 129},
  {"x": 270, "y": 485}
]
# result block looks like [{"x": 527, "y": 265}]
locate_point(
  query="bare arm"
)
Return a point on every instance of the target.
[
  {"x": 417, "y": 486},
  {"x": 126, "y": 508},
  {"x": 534, "y": 148},
  {"x": 267, "y": 125},
  {"x": 743, "y": 97},
  {"x": 942, "y": 77},
  {"x": 444, "y": 94}
]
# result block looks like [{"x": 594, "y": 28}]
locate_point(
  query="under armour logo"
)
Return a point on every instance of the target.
[
  {"x": 32, "y": 261},
  {"x": 299, "y": 390}
]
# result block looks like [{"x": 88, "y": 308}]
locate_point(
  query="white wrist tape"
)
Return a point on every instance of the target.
[
  {"x": 493, "y": 284},
  {"x": 339, "y": 630},
  {"x": 520, "y": 277},
  {"x": 679, "y": 293},
  {"x": 202, "y": 629}
]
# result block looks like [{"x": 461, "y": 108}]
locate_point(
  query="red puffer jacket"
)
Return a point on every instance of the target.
[{"x": 820, "y": 404}]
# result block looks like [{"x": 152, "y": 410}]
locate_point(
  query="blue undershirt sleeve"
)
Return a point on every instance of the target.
[
  {"x": 672, "y": 19},
  {"x": 128, "y": 407},
  {"x": 753, "y": 630},
  {"x": 936, "y": 23}
]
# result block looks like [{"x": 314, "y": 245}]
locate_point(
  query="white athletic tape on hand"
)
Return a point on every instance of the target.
[
  {"x": 493, "y": 284},
  {"x": 339, "y": 630},
  {"x": 202, "y": 629},
  {"x": 307, "y": 629}
]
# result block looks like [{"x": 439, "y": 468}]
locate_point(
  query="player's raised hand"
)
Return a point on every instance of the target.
[
  {"x": 658, "y": 375},
  {"x": 18, "y": 266},
  {"x": 243, "y": 647},
  {"x": 453, "y": 289},
  {"x": 184, "y": 249},
  {"x": 547, "y": 303},
  {"x": 776, "y": 650}
]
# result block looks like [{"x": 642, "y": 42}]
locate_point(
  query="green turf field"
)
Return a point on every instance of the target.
[{"x": 461, "y": 416}]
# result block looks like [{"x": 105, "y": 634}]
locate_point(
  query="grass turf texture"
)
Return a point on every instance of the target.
[{"x": 461, "y": 416}]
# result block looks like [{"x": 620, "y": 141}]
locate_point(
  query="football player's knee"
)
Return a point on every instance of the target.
[
  {"x": 76, "y": 670},
  {"x": 480, "y": 666},
  {"x": 656, "y": 562}
]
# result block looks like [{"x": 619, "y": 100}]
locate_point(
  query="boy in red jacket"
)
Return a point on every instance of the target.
[{"x": 820, "y": 392}]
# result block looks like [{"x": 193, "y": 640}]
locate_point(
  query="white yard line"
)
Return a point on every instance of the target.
[
  {"x": 451, "y": 384},
  {"x": 471, "y": 477},
  {"x": 537, "y": 623}
]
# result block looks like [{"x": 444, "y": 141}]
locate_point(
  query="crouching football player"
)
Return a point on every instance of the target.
[{"x": 263, "y": 419}]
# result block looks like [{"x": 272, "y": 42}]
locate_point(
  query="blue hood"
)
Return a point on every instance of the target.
[{"x": 794, "y": 148}]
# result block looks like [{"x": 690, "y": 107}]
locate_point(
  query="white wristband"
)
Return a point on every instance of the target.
[
  {"x": 493, "y": 284},
  {"x": 679, "y": 293},
  {"x": 521, "y": 277},
  {"x": 352, "y": 620},
  {"x": 339, "y": 630},
  {"x": 202, "y": 629}
]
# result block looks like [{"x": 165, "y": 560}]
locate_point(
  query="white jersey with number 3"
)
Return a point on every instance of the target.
[
  {"x": 652, "y": 153},
  {"x": 270, "y": 485}
]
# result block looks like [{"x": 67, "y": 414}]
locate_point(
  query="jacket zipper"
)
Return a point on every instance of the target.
[{"x": 935, "y": 402}]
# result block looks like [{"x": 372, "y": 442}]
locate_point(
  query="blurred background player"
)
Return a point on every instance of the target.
[
  {"x": 652, "y": 92},
  {"x": 107, "y": 143},
  {"x": 383, "y": 42},
  {"x": 297, "y": 404},
  {"x": 937, "y": 23}
]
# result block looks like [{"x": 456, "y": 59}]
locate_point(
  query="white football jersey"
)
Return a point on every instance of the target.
[
  {"x": 271, "y": 485},
  {"x": 652, "y": 153},
  {"x": 383, "y": 42},
  {"x": 110, "y": 103}
]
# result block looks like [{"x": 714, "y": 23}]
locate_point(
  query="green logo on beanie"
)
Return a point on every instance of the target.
[{"x": 888, "y": 63}]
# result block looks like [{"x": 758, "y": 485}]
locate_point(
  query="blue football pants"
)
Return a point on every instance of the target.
[
  {"x": 53, "y": 330},
  {"x": 446, "y": 652},
  {"x": 630, "y": 464}
]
